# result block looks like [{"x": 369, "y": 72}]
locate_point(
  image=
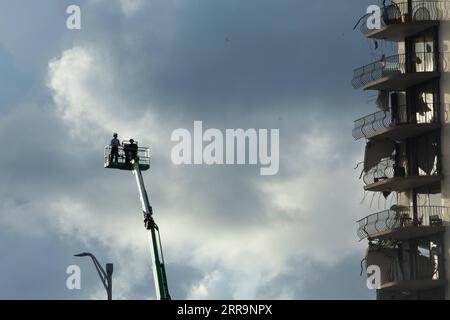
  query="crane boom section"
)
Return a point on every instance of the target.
[{"x": 159, "y": 272}]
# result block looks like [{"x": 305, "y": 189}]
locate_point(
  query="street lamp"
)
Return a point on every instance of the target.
[{"x": 105, "y": 277}]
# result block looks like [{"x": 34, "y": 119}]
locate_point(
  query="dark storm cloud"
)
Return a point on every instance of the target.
[
  {"x": 245, "y": 56},
  {"x": 35, "y": 268},
  {"x": 263, "y": 54},
  {"x": 12, "y": 83}
]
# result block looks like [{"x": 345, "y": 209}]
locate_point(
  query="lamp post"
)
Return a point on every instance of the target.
[{"x": 105, "y": 277}]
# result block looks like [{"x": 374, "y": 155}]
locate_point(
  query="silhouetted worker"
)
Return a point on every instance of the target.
[
  {"x": 115, "y": 143},
  {"x": 130, "y": 151}
]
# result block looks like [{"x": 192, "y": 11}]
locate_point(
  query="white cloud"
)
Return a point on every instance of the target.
[
  {"x": 86, "y": 92},
  {"x": 130, "y": 7},
  {"x": 127, "y": 7}
]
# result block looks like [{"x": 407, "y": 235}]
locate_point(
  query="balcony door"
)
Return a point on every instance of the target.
[
  {"x": 426, "y": 108},
  {"x": 424, "y": 53}
]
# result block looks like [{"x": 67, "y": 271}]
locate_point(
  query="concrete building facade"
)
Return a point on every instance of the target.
[{"x": 407, "y": 155}]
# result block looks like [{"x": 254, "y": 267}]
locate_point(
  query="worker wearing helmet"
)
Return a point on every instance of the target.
[
  {"x": 130, "y": 149},
  {"x": 115, "y": 143}
]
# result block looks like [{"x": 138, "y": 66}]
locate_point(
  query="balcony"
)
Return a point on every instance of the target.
[
  {"x": 398, "y": 22},
  {"x": 391, "y": 73},
  {"x": 413, "y": 290},
  {"x": 387, "y": 176},
  {"x": 413, "y": 285},
  {"x": 382, "y": 125},
  {"x": 408, "y": 269},
  {"x": 397, "y": 223}
]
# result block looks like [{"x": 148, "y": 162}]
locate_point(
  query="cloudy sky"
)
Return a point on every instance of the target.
[{"x": 144, "y": 68}]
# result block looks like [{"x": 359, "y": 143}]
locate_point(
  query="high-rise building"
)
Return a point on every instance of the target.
[{"x": 407, "y": 155}]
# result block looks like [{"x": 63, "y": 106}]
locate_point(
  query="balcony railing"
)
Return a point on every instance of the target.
[
  {"x": 388, "y": 169},
  {"x": 383, "y": 170},
  {"x": 396, "y": 13},
  {"x": 370, "y": 125},
  {"x": 143, "y": 155},
  {"x": 392, "y": 66},
  {"x": 401, "y": 217}
]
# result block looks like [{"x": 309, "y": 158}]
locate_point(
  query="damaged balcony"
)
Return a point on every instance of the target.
[
  {"x": 398, "y": 223},
  {"x": 390, "y": 166},
  {"x": 386, "y": 176},
  {"x": 408, "y": 286},
  {"x": 410, "y": 267},
  {"x": 400, "y": 20},
  {"x": 393, "y": 73},
  {"x": 383, "y": 125}
]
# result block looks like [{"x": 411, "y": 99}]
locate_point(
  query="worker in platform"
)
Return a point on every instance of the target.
[
  {"x": 115, "y": 143},
  {"x": 131, "y": 150}
]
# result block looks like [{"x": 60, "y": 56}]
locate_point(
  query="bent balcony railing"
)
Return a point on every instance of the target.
[
  {"x": 395, "y": 65},
  {"x": 376, "y": 122},
  {"x": 388, "y": 169},
  {"x": 401, "y": 217},
  {"x": 395, "y": 13},
  {"x": 383, "y": 170}
]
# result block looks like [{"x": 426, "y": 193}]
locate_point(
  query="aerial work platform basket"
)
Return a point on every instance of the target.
[{"x": 143, "y": 158}]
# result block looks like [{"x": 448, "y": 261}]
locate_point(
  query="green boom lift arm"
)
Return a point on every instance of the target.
[{"x": 159, "y": 271}]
